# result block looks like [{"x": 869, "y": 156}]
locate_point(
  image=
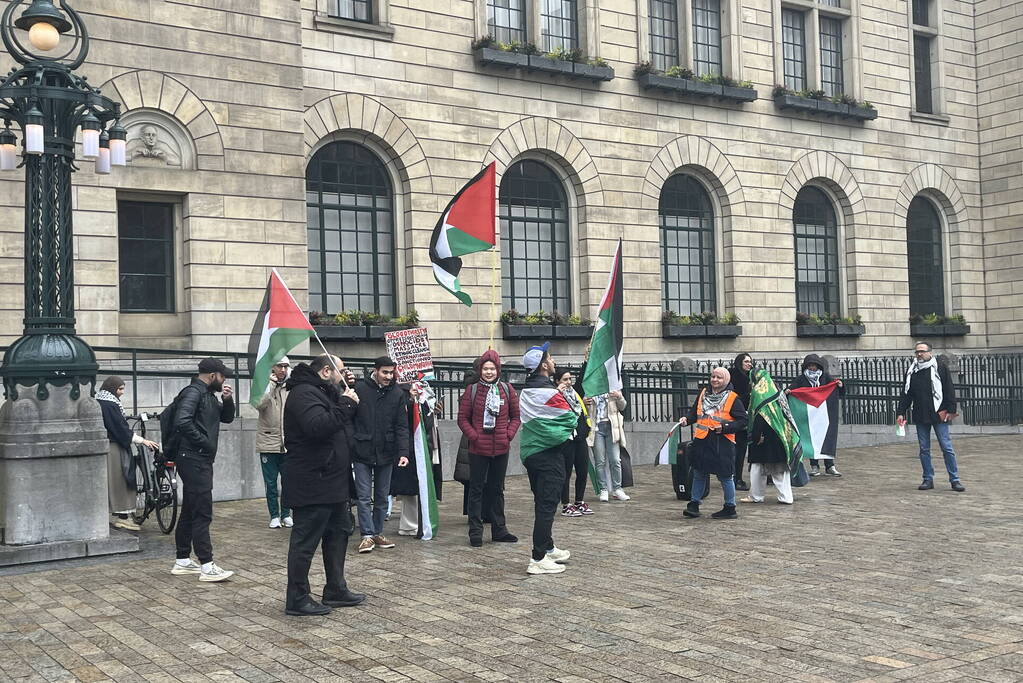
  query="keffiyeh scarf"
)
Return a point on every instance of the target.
[
  {"x": 932, "y": 365},
  {"x": 104, "y": 395}
]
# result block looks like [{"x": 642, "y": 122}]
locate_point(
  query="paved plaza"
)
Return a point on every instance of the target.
[{"x": 864, "y": 578}]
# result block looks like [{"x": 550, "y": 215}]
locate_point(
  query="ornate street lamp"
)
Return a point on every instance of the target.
[{"x": 50, "y": 102}]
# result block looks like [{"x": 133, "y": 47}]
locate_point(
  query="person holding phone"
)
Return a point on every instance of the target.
[{"x": 931, "y": 394}]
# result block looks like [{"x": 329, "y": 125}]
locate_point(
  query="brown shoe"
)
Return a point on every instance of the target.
[
  {"x": 383, "y": 542},
  {"x": 367, "y": 545}
]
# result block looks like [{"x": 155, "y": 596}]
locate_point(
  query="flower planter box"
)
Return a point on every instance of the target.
[
  {"x": 573, "y": 331},
  {"x": 376, "y": 332},
  {"x": 796, "y": 102},
  {"x": 947, "y": 330},
  {"x": 840, "y": 330},
  {"x": 527, "y": 331},
  {"x": 862, "y": 113},
  {"x": 833, "y": 108},
  {"x": 738, "y": 93},
  {"x": 706, "y": 89},
  {"x": 669, "y": 331},
  {"x": 592, "y": 72},
  {"x": 661, "y": 82},
  {"x": 492, "y": 56},
  {"x": 548, "y": 65},
  {"x": 341, "y": 332}
]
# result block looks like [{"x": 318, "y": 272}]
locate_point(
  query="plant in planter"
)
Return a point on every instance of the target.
[
  {"x": 936, "y": 325},
  {"x": 705, "y": 324},
  {"x": 828, "y": 325},
  {"x": 532, "y": 326},
  {"x": 595, "y": 69},
  {"x": 570, "y": 326},
  {"x": 489, "y": 51},
  {"x": 344, "y": 326},
  {"x": 409, "y": 320}
]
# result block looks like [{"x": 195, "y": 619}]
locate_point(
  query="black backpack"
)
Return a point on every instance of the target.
[{"x": 169, "y": 434}]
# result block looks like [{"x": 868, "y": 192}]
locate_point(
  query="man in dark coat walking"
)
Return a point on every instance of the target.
[
  {"x": 381, "y": 441},
  {"x": 929, "y": 390},
  {"x": 317, "y": 482}
]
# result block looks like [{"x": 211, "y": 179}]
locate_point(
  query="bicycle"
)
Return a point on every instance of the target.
[{"x": 157, "y": 482}]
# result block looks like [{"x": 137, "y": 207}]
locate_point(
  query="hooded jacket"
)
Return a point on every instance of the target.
[
  {"x": 270, "y": 435},
  {"x": 317, "y": 434},
  {"x": 801, "y": 381},
  {"x": 381, "y": 423},
  {"x": 471, "y": 410}
]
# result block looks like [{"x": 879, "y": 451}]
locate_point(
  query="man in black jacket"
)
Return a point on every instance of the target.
[
  {"x": 197, "y": 420},
  {"x": 317, "y": 482},
  {"x": 930, "y": 392},
  {"x": 381, "y": 440}
]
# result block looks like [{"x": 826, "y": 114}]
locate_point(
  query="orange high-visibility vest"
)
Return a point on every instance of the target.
[{"x": 708, "y": 422}]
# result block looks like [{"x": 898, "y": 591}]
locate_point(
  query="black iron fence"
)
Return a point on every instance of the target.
[{"x": 989, "y": 386}]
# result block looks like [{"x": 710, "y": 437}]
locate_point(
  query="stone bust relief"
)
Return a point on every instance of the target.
[{"x": 148, "y": 145}]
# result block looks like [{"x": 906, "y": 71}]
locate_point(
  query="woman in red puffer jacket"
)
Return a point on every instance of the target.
[{"x": 488, "y": 415}]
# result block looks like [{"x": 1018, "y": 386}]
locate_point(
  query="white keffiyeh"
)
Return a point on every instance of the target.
[{"x": 931, "y": 365}]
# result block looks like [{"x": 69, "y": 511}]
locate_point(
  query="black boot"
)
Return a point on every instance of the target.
[
  {"x": 740, "y": 485},
  {"x": 926, "y": 486},
  {"x": 692, "y": 510},
  {"x": 727, "y": 512}
]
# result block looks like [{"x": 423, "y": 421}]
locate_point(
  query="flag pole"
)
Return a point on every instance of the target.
[
  {"x": 494, "y": 275},
  {"x": 331, "y": 357}
]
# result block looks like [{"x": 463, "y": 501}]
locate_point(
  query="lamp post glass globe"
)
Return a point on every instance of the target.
[{"x": 43, "y": 36}]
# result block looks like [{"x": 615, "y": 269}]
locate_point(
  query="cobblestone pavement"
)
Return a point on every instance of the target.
[{"x": 863, "y": 578}]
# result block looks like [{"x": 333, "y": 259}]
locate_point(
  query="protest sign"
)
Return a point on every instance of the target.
[{"x": 410, "y": 350}]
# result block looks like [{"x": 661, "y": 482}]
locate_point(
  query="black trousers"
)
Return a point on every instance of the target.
[
  {"x": 546, "y": 471},
  {"x": 741, "y": 442},
  {"x": 329, "y": 525},
  {"x": 486, "y": 494},
  {"x": 193, "y": 529},
  {"x": 576, "y": 456}
]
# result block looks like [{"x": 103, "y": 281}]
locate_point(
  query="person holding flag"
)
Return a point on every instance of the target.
[
  {"x": 547, "y": 425},
  {"x": 817, "y": 426},
  {"x": 716, "y": 417},
  {"x": 774, "y": 449},
  {"x": 270, "y": 441}
]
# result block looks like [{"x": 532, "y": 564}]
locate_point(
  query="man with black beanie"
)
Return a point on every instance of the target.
[{"x": 317, "y": 482}]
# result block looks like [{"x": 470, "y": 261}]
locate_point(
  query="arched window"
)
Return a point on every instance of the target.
[
  {"x": 687, "y": 246},
  {"x": 534, "y": 239},
  {"x": 926, "y": 265},
  {"x": 816, "y": 231},
  {"x": 351, "y": 231}
]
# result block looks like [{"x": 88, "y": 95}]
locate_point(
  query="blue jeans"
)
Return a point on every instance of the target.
[
  {"x": 923, "y": 435},
  {"x": 700, "y": 482},
  {"x": 607, "y": 453},
  {"x": 372, "y": 487}
]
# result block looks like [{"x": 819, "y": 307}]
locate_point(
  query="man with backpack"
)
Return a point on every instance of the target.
[{"x": 196, "y": 416}]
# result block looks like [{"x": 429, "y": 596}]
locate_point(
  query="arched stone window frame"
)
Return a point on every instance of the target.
[{"x": 700, "y": 176}]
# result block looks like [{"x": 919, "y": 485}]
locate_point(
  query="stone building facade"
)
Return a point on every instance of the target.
[{"x": 280, "y": 133}]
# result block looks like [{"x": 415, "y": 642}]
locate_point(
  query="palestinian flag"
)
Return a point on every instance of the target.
[
  {"x": 668, "y": 455},
  {"x": 429, "y": 514},
  {"x": 604, "y": 365},
  {"x": 281, "y": 325},
  {"x": 547, "y": 420},
  {"x": 815, "y": 410},
  {"x": 467, "y": 225}
]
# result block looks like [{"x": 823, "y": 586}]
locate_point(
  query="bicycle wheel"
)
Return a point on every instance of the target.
[
  {"x": 143, "y": 498},
  {"x": 167, "y": 503}
]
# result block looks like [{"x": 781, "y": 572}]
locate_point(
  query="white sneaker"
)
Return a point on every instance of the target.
[
  {"x": 558, "y": 555},
  {"x": 833, "y": 471},
  {"x": 192, "y": 567},
  {"x": 619, "y": 494},
  {"x": 603, "y": 496},
  {"x": 288, "y": 522},
  {"x": 215, "y": 573},
  {"x": 544, "y": 566},
  {"x": 275, "y": 523}
]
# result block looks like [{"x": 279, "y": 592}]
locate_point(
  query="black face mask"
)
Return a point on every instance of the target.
[{"x": 216, "y": 385}]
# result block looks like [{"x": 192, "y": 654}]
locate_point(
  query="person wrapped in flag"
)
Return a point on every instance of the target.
[
  {"x": 774, "y": 449},
  {"x": 547, "y": 425},
  {"x": 716, "y": 417},
  {"x": 814, "y": 396},
  {"x": 417, "y": 484}
]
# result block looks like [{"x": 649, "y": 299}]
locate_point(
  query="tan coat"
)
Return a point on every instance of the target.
[
  {"x": 615, "y": 417},
  {"x": 270, "y": 435}
]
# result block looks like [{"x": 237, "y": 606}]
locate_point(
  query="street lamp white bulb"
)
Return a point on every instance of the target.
[
  {"x": 103, "y": 161},
  {"x": 43, "y": 36},
  {"x": 90, "y": 144},
  {"x": 34, "y": 138},
  {"x": 8, "y": 157},
  {"x": 117, "y": 152}
]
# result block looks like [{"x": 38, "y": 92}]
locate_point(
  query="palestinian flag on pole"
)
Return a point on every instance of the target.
[
  {"x": 429, "y": 514},
  {"x": 467, "y": 225},
  {"x": 547, "y": 420},
  {"x": 280, "y": 326},
  {"x": 668, "y": 455},
  {"x": 604, "y": 365},
  {"x": 815, "y": 410}
]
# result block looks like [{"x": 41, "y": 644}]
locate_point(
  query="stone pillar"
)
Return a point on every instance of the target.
[{"x": 53, "y": 479}]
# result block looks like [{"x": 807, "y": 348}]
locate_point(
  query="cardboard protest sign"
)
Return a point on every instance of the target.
[{"x": 410, "y": 350}]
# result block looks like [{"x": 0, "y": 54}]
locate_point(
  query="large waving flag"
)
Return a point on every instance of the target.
[
  {"x": 604, "y": 365},
  {"x": 429, "y": 514},
  {"x": 467, "y": 225},
  {"x": 547, "y": 420},
  {"x": 281, "y": 325},
  {"x": 668, "y": 455},
  {"x": 815, "y": 410},
  {"x": 770, "y": 403}
]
